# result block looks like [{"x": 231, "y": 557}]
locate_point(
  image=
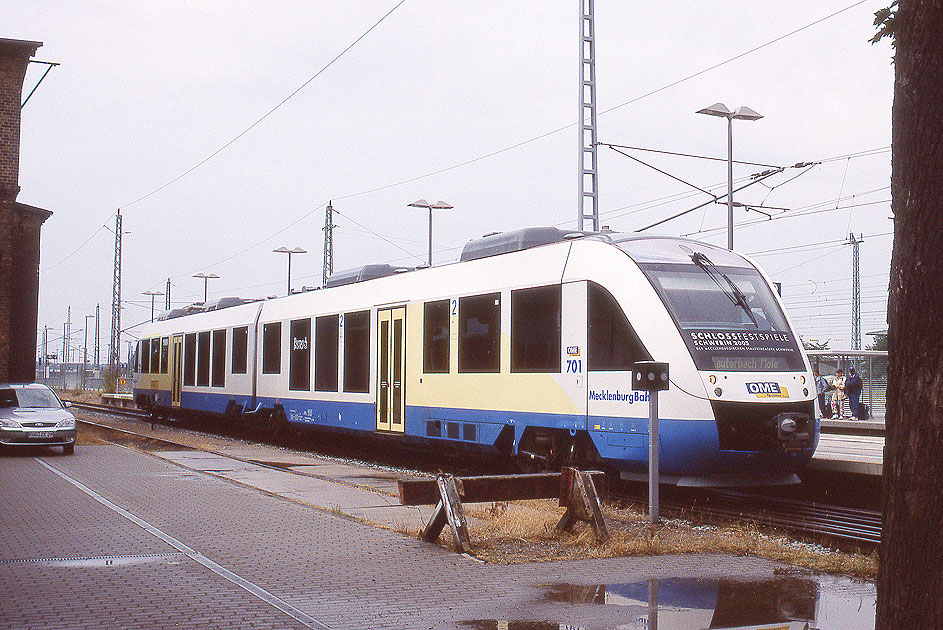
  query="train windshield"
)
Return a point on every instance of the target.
[{"x": 728, "y": 316}]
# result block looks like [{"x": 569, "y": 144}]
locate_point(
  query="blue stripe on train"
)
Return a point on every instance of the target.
[{"x": 688, "y": 447}]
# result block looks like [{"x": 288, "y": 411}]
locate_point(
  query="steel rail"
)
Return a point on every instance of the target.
[
  {"x": 835, "y": 524},
  {"x": 123, "y": 411}
]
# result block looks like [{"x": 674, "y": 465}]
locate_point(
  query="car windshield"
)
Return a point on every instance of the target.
[{"x": 32, "y": 398}]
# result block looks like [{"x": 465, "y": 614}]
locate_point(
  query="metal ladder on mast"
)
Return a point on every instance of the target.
[{"x": 589, "y": 184}]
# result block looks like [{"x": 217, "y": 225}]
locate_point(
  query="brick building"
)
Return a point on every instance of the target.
[{"x": 19, "y": 226}]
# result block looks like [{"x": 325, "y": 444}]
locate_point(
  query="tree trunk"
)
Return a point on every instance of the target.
[{"x": 910, "y": 580}]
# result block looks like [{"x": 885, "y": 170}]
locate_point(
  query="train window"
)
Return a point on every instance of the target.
[
  {"x": 357, "y": 352},
  {"x": 155, "y": 355},
  {"x": 435, "y": 340},
  {"x": 219, "y": 358},
  {"x": 164, "y": 354},
  {"x": 272, "y": 348},
  {"x": 613, "y": 344},
  {"x": 535, "y": 329},
  {"x": 146, "y": 356},
  {"x": 240, "y": 350},
  {"x": 325, "y": 358},
  {"x": 189, "y": 364},
  {"x": 299, "y": 355},
  {"x": 479, "y": 338},
  {"x": 203, "y": 359}
]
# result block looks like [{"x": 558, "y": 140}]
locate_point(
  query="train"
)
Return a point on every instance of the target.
[{"x": 523, "y": 348}]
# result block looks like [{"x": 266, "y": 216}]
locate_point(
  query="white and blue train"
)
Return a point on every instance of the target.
[{"x": 524, "y": 347}]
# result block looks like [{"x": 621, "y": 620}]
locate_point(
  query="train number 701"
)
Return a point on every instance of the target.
[{"x": 574, "y": 366}]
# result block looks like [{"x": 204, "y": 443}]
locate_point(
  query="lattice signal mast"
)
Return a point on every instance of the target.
[
  {"x": 589, "y": 181},
  {"x": 855, "y": 291},
  {"x": 97, "y": 335},
  {"x": 328, "y": 243},
  {"x": 114, "y": 349}
]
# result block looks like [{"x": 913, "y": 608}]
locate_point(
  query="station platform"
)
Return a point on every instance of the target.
[
  {"x": 113, "y": 537},
  {"x": 850, "y": 446}
]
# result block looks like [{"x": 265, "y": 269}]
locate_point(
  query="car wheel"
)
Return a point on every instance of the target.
[{"x": 68, "y": 449}]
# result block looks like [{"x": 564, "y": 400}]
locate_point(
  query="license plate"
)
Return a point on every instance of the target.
[{"x": 43, "y": 434}]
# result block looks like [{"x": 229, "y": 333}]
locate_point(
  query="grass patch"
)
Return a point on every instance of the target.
[{"x": 525, "y": 531}]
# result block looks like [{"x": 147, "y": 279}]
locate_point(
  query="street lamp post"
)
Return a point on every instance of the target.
[
  {"x": 154, "y": 294},
  {"x": 439, "y": 205},
  {"x": 285, "y": 250},
  {"x": 741, "y": 113},
  {"x": 206, "y": 278}
]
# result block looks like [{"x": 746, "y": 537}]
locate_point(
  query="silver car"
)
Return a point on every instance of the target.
[{"x": 32, "y": 415}]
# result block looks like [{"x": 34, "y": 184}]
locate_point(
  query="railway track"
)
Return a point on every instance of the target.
[
  {"x": 111, "y": 409},
  {"x": 832, "y": 525}
]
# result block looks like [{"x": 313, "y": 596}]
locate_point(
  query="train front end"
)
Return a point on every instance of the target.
[{"x": 750, "y": 376}]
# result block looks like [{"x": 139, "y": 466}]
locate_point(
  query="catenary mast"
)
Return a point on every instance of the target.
[{"x": 589, "y": 179}]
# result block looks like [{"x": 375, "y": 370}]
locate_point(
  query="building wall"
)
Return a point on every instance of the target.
[{"x": 19, "y": 227}]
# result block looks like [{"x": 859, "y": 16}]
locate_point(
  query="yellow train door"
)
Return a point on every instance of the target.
[{"x": 391, "y": 369}]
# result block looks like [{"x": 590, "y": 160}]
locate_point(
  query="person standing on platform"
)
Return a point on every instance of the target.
[
  {"x": 853, "y": 390},
  {"x": 821, "y": 386},
  {"x": 838, "y": 398}
]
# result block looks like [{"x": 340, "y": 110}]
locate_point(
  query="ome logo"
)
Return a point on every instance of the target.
[{"x": 767, "y": 390}]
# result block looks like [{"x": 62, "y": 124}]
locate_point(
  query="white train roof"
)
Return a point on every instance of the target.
[{"x": 518, "y": 258}]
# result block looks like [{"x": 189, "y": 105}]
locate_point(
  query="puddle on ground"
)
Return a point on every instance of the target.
[{"x": 782, "y": 603}]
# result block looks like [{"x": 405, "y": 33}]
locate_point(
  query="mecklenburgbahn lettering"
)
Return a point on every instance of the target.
[{"x": 617, "y": 396}]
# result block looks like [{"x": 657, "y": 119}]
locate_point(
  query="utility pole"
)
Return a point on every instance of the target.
[
  {"x": 62, "y": 358},
  {"x": 167, "y": 296},
  {"x": 855, "y": 291},
  {"x": 328, "y": 243},
  {"x": 97, "y": 335},
  {"x": 589, "y": 181},
  {"x": 68, "y": 334},
  {"x": 114, "y": 349},
  {"x": 45, "y": 353}
]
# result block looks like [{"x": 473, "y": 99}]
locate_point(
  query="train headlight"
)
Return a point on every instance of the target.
[
  {"x": 805, "y": 391},
  {"x": 712, "y": 379},
  {"x": 802, "y": 379},
  {"x": 718, "y": 392}
]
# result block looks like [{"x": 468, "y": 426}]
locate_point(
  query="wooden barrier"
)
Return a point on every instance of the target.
[{"x": 575, "y": 489}]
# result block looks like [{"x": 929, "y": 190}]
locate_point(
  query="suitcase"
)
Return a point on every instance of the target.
[{"x": 863, "y": 412}]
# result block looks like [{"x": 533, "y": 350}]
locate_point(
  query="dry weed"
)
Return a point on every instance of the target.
[{"x": 526, "y": 531}]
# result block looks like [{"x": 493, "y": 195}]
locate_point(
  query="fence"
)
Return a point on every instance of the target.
[
  {"x": 68, "y": 376},
  {"x": 871, "y": 366}
]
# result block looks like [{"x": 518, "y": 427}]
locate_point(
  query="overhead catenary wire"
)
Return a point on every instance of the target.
[
  {"x": 240, "y": 134},
  {"x": 492, "y": 153},
  {"x": 268, "y": 113}
]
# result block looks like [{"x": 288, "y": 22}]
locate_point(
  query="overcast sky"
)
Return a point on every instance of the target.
[{"x": 473, "y": 103}]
